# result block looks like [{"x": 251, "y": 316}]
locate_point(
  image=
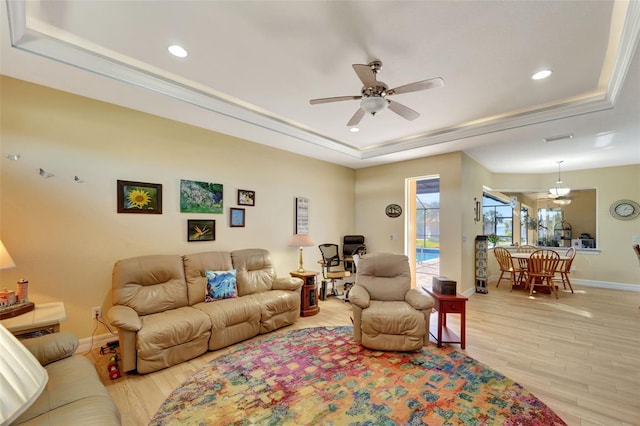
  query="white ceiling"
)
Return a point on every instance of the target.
[{"x": 253, "y": 66}]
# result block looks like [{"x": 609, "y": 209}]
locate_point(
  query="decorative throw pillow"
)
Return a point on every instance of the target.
[{"x": 220, "y": 285}]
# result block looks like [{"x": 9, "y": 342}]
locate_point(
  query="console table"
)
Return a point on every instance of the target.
[
  {"x": 45, "y": 317},
  {"x": 309, "y": 295},
  {"x": 448, "y": 304}
]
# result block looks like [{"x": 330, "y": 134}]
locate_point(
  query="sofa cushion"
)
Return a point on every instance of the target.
[
  {"x": 52, "y": 347},
  {"x": 255, "y": 271},
  {"x": 170, "y": 328},
  {"x": 393, "y": 326},
  {"x": 221, "y": 285},
  {"x": 195, "y": 266},
  {"x": 150, "y": 284},
  {"x": 232, "y": 320},
  {"x": 279, "y": 308},
  {"x": 73, "y": 382}
]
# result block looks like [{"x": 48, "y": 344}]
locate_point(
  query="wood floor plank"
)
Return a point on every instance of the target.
[{"x": 579, "y": 354}]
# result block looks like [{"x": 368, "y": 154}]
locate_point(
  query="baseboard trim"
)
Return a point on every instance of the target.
[
  {"x": 605, "y": 284},
  {"x": 102, "y": 339}
]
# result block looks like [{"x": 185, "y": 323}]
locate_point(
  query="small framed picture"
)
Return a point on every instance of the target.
[
  {"x": 237, "y": 218},
  {"x": 139, "y": 197},
  {"x": 246, "y": 198},
  {"x": 201, "y": 230}
]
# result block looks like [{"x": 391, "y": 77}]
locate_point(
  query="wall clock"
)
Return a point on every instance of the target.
[
  {"x": 393, "y": 210},
  {"x": 624, "y": 209}
]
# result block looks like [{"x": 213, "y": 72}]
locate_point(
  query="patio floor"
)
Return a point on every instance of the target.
[{"x": 426, "y": 270}]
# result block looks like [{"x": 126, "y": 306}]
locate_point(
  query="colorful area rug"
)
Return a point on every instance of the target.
[{"x": 320, "y": 376}]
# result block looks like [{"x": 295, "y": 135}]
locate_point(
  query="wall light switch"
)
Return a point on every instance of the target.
[{"x": 636, "y": 239}]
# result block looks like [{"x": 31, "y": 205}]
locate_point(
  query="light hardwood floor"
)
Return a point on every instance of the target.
[{"x": 579, "y": 354}]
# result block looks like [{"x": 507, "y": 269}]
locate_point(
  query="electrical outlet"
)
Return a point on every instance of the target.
[{"x": 96, "y": 312}]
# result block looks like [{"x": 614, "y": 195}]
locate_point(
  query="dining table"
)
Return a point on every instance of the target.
[{"x": 525, "y": 256}]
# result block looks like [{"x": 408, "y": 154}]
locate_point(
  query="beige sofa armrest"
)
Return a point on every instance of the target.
[
  {"x": 124, "y": 317},
  {"x": 418, "y": 299},
  {"x": 359, "y": 296},
  {"x": 52, "y": 347},
  {"x": 287, "y": 283}
]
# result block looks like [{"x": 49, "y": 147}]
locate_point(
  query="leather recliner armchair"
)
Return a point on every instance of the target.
[{"x": 387, "y": 313}]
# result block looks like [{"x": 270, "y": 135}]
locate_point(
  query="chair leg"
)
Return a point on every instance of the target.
[
  {"x": 499, "y": 279},
  {"x": 565, "y": 275},
  {"x": 530, "y": 282},
  {"x": 334, "y": 289},
  {"x": 552, "y": 286}
]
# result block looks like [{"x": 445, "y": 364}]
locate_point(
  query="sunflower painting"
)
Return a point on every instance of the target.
[{"x": 139, "y": 197}]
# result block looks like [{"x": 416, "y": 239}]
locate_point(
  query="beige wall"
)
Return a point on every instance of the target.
[
  {"x": 462, "y": 179},
  {"x": 376, "y": 187},
  {"x": 616, "y": 263},
  {"x": 64, "y": 236}
]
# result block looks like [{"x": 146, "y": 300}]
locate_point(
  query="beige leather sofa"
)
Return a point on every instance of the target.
[
  {"x": 74, "y": 394},
  {"x": 387, "y": 313},
  {"x": 161, "y": 315}
]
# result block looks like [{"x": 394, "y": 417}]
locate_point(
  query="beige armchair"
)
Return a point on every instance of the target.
[{"x": 387, "y": 313}]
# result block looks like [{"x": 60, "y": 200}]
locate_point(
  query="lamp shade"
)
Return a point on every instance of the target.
[
  {"x": 300, "y": 240},
  {"x": 22, "y": 378},
  {"x": 373, "y": 104},
  {"x": 559, "y": 190},
  {"x": 5, "y": 258}
]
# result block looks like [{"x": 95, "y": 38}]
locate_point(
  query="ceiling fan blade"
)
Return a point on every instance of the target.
[
  {"x": 417, "y": 86},
  {"x": 403, "y": 111},
  {"x": 356, "y": 117},
  {"x": 365, "y": 74},
  {"x": 334, "y": 99}
]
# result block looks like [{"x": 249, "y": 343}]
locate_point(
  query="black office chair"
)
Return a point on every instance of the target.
[
  {"x": 333, "y": 269},
  {"x": 352, "y": 244}
]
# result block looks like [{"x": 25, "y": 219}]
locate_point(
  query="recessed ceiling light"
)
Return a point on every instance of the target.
[
  {"x": 178, "y": 51},
  {"x": 354, "y": 129},
  {"x": 541, "y": 74},
  {"x": 13, "y": 157}
]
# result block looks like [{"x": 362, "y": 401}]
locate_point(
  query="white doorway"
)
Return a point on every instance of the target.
[{"x": 423, "y": 228}]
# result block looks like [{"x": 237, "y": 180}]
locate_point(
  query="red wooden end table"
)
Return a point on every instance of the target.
[{"x": 448, "y": 304}]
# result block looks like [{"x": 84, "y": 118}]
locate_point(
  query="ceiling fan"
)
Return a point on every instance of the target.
[{"x": 373, "y": 98}]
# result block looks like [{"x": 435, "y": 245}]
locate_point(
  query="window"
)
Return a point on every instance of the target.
[
  {"x": 428, "y": 214},
  {"x": 497, "y": 218},
  {"x": 550, "y": 220},
  {"x": 525, "y": 220}
]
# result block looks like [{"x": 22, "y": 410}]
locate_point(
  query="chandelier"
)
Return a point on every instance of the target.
[{"x": 560, "y": 190}]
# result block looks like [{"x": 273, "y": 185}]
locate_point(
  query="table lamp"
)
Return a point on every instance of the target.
[
  {"x": 6, "y": 261},
  {"x": 22, "y": 378},
  {"x": 300, "y": 240}
]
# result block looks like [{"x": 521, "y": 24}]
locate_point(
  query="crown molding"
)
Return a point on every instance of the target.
[{"x": 28, "y": 36}]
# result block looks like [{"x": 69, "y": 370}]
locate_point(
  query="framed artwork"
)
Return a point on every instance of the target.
[
  {"x": 237, "y": 218},
  {"x": 302, "y": 215},
  {"x": 246, "y": 198},
  {"x": 201, "y": 230},
  {"x": 200, "y": 197},
  {"x": 139, "y": 197}
]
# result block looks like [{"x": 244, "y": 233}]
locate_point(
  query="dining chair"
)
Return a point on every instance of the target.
[
  {"x": 564, "y": 269},
  {"x": 543, "y": 264},
  {"x": 505, "y": 262},
  {"x": 524, "y": 263}
]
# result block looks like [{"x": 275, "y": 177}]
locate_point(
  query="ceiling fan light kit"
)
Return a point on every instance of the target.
[
  {"x": 373, "y": 97},
  {"x": 374, "y": 104},
  {"x": 562, "y": 201}
]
